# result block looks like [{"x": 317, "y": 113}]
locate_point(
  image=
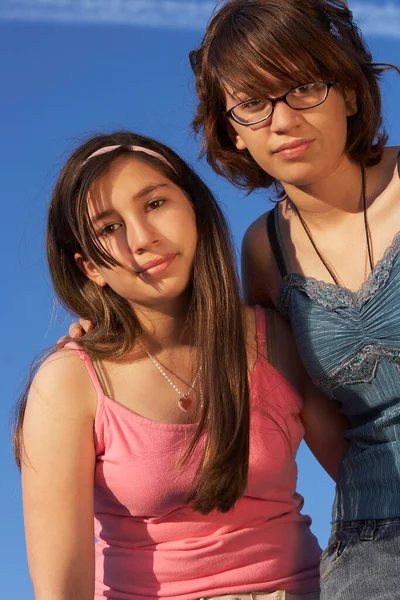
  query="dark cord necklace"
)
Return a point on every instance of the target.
[{"x": 323, "y": 259}]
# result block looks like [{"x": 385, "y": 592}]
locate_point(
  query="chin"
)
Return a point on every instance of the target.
[
  {"x": 169, "y": 295},
  {"x": 297, "y": 182},
  {"x": 300, "y": 176},
  {"x": 290, "y": 172}
]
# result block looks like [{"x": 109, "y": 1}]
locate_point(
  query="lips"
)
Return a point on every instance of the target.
[
  {"x": 293, "y": 145},
  {"x": 156, "y": 265}
]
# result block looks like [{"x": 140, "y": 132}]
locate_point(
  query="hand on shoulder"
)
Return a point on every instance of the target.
[{"x": 76, "y": 330}]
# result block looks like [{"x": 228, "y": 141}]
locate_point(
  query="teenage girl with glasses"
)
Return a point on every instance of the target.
[
  {"x": 289, "y": 97},
  {"x": 165, "y": 424}
]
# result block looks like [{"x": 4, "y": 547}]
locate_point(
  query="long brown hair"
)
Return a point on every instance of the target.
[
  {"x": 295, "y": 41},
  {"x": 214, "y": 313}
]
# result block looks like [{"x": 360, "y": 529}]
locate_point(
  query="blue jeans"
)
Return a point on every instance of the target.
[{"x": 362, "y": 561}]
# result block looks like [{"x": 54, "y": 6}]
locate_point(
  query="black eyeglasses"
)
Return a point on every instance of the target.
[{"x": 253, "y": 111}]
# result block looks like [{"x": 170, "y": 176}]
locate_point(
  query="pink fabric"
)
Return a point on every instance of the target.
[
  {"x": 152, "y": 545},
  {"x": 106, "y": 149}
]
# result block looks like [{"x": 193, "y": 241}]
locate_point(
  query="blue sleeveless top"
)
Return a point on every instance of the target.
[{"x": 350, "y": 345}]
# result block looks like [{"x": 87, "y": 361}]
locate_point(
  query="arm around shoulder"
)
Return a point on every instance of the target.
[
  {"x": 325, "y": 428},
  {"x": 58, "y": 479},
  {"x": 324, "y": 424}
]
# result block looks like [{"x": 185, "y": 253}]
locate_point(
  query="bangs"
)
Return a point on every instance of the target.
[
  {"x": 80, "y": 222},
  {"x": 261, "y": 57}
]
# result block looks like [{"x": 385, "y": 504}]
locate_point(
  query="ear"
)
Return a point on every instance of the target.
[
  {"x": 239, "y": 143},
  {"x": 350, "y": 100},
  {"x": 89, "y": 269},
  {"x": 235, "y": 138},
  {"x": 234, "y": 135}
]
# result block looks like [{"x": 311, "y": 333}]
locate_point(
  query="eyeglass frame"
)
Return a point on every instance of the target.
[{"x": 228, "y": 113}]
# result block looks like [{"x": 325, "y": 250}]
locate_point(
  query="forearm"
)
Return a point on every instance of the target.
[
  {"x": 325, "y": 429},
  {"x": 328, "y": 451}
]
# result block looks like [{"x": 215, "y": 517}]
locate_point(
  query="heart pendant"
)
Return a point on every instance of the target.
[{"x": 185, "y": 403}]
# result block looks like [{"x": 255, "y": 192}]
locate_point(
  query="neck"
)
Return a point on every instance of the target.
[
  {"x": 165, "y": 325},
  {"x": 333, "y": 198}
]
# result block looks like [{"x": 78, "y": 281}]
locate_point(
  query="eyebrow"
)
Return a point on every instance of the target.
[
  {"x": 148, "y": 189},
  {"x": 102, "y": 215}
]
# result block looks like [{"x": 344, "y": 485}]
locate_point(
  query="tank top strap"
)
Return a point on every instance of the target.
[
  {"x": 95, "y": 370},
  {"x": 261, "y": 329},
  {"x": 398, "y": 164},
  {"x": 276, "y": 241}
]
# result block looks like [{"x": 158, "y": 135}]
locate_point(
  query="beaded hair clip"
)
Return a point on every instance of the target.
[{"x": 334, "y": 30}]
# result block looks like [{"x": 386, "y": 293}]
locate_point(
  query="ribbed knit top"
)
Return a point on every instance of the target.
[{"x": 151, "y": 544}]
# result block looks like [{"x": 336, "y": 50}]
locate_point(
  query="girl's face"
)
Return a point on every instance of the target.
[
  {"x": 297, "y": 147},
  {"x": 148, "y": 225}
]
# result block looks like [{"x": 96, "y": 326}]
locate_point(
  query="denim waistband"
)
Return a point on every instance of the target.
[{"x": 340, "y": 525}]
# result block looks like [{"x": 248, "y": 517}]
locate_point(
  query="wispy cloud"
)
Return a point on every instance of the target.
[
  {"x": 151, "y": 13},
  {"x": 375, "y": 19}
]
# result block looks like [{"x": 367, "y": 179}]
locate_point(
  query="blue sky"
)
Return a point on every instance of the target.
[{"x": 74, "y": 67}]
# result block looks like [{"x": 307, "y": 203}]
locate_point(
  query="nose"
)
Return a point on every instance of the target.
[
  {"x": 141, "y": 235},
  {"x": 283, "y": 118}
]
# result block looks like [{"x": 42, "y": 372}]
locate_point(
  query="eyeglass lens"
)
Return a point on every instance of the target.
[{"x": 305, "y": 96}]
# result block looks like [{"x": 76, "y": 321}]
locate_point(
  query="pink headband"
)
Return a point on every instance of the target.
[{"x": 133, "y": 149}]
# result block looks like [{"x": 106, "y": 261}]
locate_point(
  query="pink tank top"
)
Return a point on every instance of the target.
[{"x": 150, "y": 544}]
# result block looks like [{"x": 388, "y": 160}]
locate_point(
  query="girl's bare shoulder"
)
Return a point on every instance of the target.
[
  {"x": 63, "y": 383},
  {"x": 256, "y": 236},
  {"x": 392, "y": 150},
  {"x": 261, "y": 277},
  {"x": 388, "y": 168}
]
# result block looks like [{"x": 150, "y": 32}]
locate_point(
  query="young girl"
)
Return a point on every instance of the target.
[
  {"x": 166, "y": 424},
  {"x": 289, "y": 97}
]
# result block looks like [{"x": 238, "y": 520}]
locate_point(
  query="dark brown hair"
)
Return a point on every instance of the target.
[
  {"x": 295, "y": 41},
  {"x": 214, "y": 313}
]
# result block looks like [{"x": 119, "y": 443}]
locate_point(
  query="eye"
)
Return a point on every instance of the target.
[
  {"x": 109, "y": 230},
  {"x": 304, "y": 89},
  {"x": 153, "y": 204},
  {"x": 252, "y": 105}
]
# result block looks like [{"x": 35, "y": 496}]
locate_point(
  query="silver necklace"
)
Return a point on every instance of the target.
[{"x": 186, "y": 401}]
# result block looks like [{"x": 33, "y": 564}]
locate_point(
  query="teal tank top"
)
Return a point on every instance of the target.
[{"x": 350, "y": 345}]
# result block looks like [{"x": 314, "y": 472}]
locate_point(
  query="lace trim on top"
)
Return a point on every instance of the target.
[
  {"x": 332, "y": 296},
  {"x": 360, "y": 368}
]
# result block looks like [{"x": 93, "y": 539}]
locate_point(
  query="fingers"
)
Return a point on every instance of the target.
[
  {"x": 85, "y": 325},
  {"x": 75, "y": 330},
  {"x": 62, "y": 341}
]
